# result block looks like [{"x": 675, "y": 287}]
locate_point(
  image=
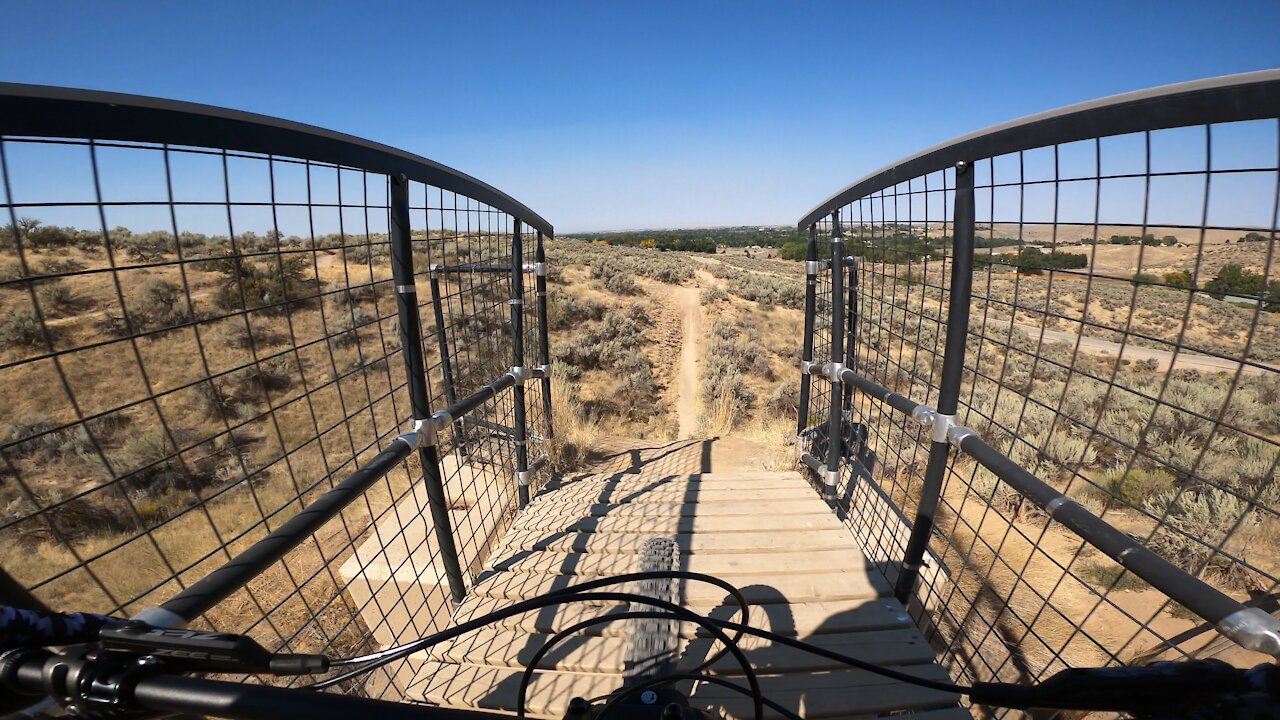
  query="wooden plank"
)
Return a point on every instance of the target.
[
  {"x": 689, "y": 543},
  {"x": 594, "y": 654},
  {"x": 549, "y": 506},
  {"x": 621, "y": 523},
  {"x": 851, "y": 583},
  {"x": 795, "y": 620},
  {"x": 718, "y": 564},
  {"x": 673, "y": 495}
]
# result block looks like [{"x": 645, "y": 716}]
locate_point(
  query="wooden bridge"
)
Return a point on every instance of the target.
[{"x": 768, "y": 533}]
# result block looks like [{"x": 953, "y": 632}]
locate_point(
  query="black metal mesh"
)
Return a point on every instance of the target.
[
  {"x": 194, "y": 344},
  {"x": 1140, "y": 378}
]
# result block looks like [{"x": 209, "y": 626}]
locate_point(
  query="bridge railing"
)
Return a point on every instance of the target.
[
  {"x": 1040, "y": 374},
  {"x": 255, "y": 371}
]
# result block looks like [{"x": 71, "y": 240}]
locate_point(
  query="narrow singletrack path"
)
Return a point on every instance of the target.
[{"x": 690, "y": 306}]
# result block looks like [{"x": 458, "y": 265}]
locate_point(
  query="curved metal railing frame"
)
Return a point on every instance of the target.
[
  {"x": 38, "y": 111},
  {"x": 46, "y": 111},
  {"x": 1232, "y": 98}
]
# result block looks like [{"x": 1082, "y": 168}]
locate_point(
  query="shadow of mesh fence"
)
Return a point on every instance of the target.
[
  {"x": 1121, "y": 344},
  {"x": 198, "y": 341}
]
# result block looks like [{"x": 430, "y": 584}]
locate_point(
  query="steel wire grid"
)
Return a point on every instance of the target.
[
  {"x": 194, "y": 344},
  {"x": 1124, "y": 346}
]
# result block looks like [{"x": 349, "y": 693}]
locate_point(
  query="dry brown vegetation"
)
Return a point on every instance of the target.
[{"x": 174, "y": 408}]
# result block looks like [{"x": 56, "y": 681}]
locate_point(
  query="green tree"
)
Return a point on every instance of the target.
[{"x": 1234, "y": 279}]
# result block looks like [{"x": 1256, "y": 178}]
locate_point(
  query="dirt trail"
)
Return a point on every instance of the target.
[{"x": 690, "y": 307}]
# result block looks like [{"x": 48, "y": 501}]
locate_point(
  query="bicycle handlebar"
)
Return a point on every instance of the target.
[
  {"x": 133, "y": 666},
  {"x": 42, "y": 673}
]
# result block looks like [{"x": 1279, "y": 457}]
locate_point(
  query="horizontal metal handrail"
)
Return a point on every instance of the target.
[
  {"x": 219, "y": 584},
  {"x": 1249, "y": 627},
  {"x": 46, "y": 111},
  {"x": 1230, "y": 98}
]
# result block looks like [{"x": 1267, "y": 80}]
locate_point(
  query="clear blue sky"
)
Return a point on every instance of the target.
[{"x": 605, "y": 115}]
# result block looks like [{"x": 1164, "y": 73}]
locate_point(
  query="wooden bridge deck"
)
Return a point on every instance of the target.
[{"x": 768, "y": 533}]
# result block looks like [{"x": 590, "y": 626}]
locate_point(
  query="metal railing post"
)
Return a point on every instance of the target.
[
  {"x": 446, "y": 362},
  {"x": 544, "y": 345},
  {"x": 850, "y": 330},
  {"x": 806, "y": 351},
  {"x": 416, "y": 379},
  {"x": 949, "y": 388},
  {"x": 836, "y": 361},
  {"x": 517, "y": 361}
]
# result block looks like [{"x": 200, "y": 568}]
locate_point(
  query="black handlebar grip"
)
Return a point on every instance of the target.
[{"x": 37, "y": 628}]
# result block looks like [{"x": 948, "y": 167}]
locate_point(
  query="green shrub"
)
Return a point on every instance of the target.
[
  {"x": 1136, "y": 485},
  {"x": 1110, "y": 575},
  {"x": 713, "y": 294},
  {"x": 276, "y": 284},
  {"x": 56, "y": 298},
  {"x": 622, "y": 284},
  {"x": 21, "y": 327},
  {"x": 1180, "y": 279},
  {"x": 156, "y": 303}
]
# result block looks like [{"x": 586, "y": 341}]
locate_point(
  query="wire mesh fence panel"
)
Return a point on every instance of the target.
[
  {"x": 195, "y": 344},
  {"x": 1122, "y": 347}
]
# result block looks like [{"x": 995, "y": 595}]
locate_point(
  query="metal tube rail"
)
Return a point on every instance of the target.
[
  {"x": 218, "y": 585},
  {"x": 517, "y": 364},
  {"x": 446, "y": 362},
  {"x": 806, "y": 352},
  {"x": 1248, "y": 627},
  {"x": 44, "y": 111},
  {"x": 416, "y": 379},
  {"x": 235, "y": 573},
  {"x": 949, "y": 387},
  {"x": 1230, "y": 98},
  {"x": 835, "y": 415},
  {"x": 544, "y": 343}
]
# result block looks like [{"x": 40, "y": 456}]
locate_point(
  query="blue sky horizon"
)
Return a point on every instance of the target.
[{"x": 659, "y": 115}]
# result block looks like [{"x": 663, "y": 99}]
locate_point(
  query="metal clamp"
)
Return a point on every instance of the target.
[
  {"x": 540, "y": 269},
  {"x": 807, "y": 367},
  {"x": 943, "y": 427},
  {"x": 524, "y": 374},
  {"x": 409, "y": 289},
  {"x": 831, "y": 477},
  {"x": 1253, "y": 628},
  {"x": 423, "y": 431},
  {"x": 522, "y": 477},
  {"x": 434, "y": 270},
  {"x": 813, "y": 267},
  {"x": 833, "y": 371}
]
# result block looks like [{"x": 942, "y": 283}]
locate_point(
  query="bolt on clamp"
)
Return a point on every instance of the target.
[
  {"x": 523, "y": 374},
  {"x": 813, "y": 267},
  {"x": 423, "y": 431},
  {"x": 834, "y": 370}
]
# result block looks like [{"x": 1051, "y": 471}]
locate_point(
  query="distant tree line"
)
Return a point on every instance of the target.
[
  {"x": 1034, "y": 261},
  {"x": 698, "y": 240}
]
